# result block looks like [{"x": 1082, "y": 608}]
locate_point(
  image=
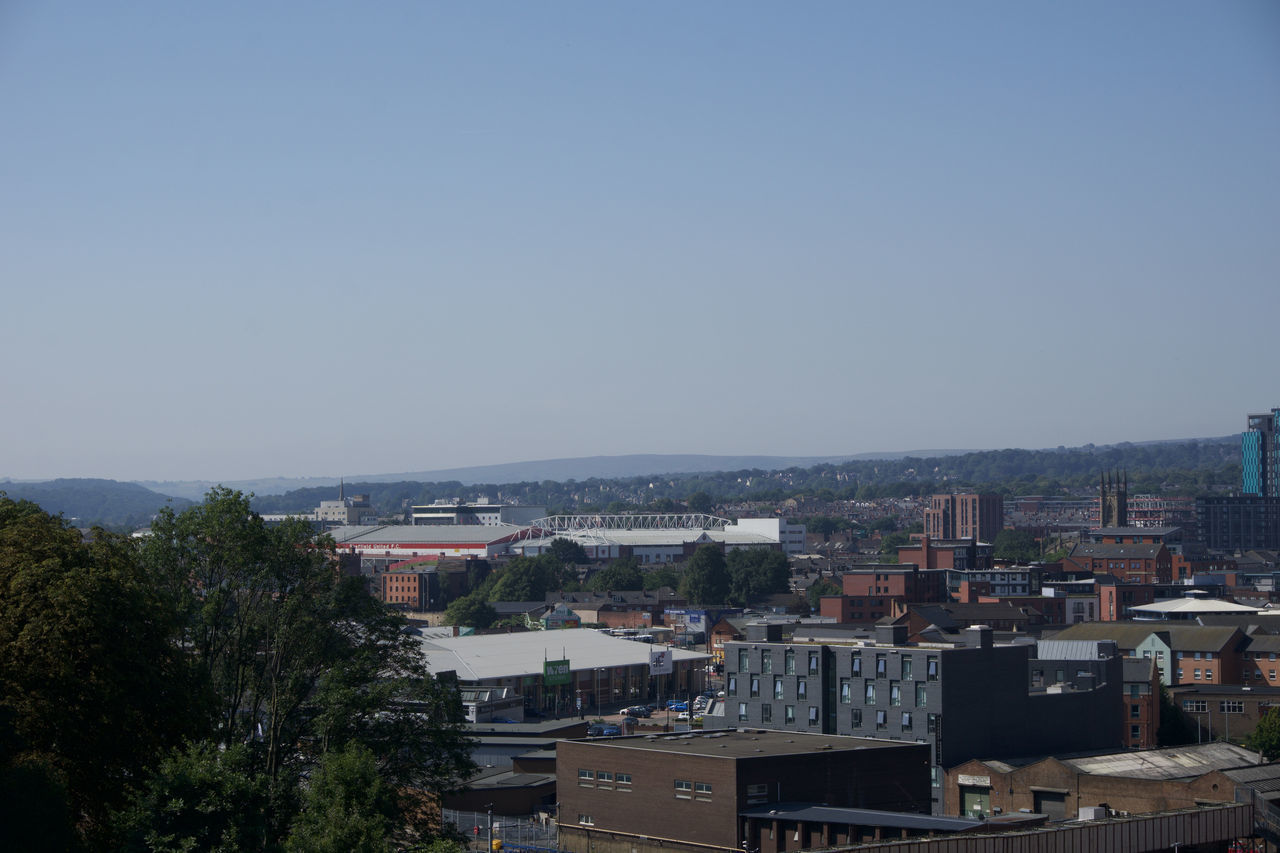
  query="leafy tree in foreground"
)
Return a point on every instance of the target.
[
  {"x": 623, "y": 574},
  {"x": 1017, "y": 545},
  {"x": 470, "y": 611},
  {"x": 755, "y": 573},
  {"x": 706, "y": 577},
  {"x": 302, "y": 662},
  {"x": 347, "y": 807},
  {"x": 818, "y": 589},
  {"x": 568, "y": 552},
  {"x": 1266, "y": 737},
  {"x": 92, "y": 688},
  {"x": 667, "y": 576}
]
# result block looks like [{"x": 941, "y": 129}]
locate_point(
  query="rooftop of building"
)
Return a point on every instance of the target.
[
  {"x": 1104, "y": 550},
  {"x": 408, "y": 534},
  {"x": 1129, "y": 635},
  {"x": 487, "y": 656},
  {"x": 746, "y": 743},
  {"x": 813, "y": 813},
  {"x": 1175, "y": 762},
  {"x": 1186, "y": 606},
  {"x": 1134, "y": 531}
]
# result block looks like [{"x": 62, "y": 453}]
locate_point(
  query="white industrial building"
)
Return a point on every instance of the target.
[{"x": 659, "y": 538}]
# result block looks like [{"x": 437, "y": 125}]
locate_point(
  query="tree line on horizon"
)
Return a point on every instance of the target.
[{"x": 1179, "y": 468}]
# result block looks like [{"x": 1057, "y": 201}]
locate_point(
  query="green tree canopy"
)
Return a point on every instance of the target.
[
  {"x": 1266, "y": 737},
  {"x": 820, "y": 588},
  {"x": 529, "y": 579},
  {"x": 663, "y": 576},
  {"x": 1017, "y": 545},
  {"x": 92, "y": 686},
  {"x": 621, "y": 574},
  {"x": 706, "y": 577},
  {"x": 471, "y": 611},
  {"x": 755, "y": 573},
  {"x": 700, "y": 501},
  {"x": 568, "y": 552}
]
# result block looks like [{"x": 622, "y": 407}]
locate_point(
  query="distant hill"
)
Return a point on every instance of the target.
[
  {"x": 560, "y": 470},
  {"x": 93, "y": 502}
]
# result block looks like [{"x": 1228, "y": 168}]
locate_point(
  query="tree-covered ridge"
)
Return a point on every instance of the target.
[
  {"x": 1183, "y": 468},
  {"x": 95, "y": 503}
]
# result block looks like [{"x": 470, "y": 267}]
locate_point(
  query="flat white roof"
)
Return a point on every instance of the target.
[
  {"x": 415, "y": 534},
  {"x": 1193, "y": 605},
  {"x": 480, "y": 657}
]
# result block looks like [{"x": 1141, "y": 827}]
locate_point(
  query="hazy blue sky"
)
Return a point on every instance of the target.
[{"x": 255, "y": 239}]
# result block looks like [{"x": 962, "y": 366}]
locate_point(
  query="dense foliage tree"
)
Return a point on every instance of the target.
[
  {"x": 529, "y": 578},
  {"x": 889, "y": 545},
  {"x": 568, "y": 552},
  {"x": 706, "y": 577},
  {"x": 92, "y": 688},
  {"x": 301, "y": 661},
  {"x": 1017, "y": 545},
  {"x": 471, "y": 611},
  {"x": 755, "y": 573},
  {"x": 347, "y": 807},
  {"x": 663, "y": 576},
  {"x": 700, "y": 501},
  {"x": 1266, "y": 737},
  {"x": 819, "y": 588},
  {"x": 622, "y": 574},
  {"x": 201, "y": 797}
]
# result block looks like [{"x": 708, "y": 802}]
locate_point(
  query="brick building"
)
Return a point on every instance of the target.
[
  {"x": 643, "y": 794},
  {"x": 1155, "y": 780},
  {"x": 965, "y": 516},
  {"x": 926, "y": 552},
  {"x": 868, "y": 594},
  {"x": 1129, "y": 562}
]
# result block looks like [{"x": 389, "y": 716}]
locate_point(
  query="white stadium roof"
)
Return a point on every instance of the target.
[{"x": 480, "y": 657}]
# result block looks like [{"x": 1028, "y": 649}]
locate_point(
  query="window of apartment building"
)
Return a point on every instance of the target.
[
  {"x": 906, "y": 721},
  {"x": 742, "y": 710},
  {"x": 789, "y": 714},
  {"x": 789, "y": 662},
  {"x": 1208, "y": 655},
  {"x": 802, "y": 689},
  {"x": 882, "y": 668},
  {"x": 895, "y": 693},
  {"x": 766, "y": 713},
  {"x": 744, "y": 663},
  {"x": 623, "y": 779},
  {"x": 846, "y": 691},
  {"x": 604, "y": 776},
  {"x": 755, "y": 686},
  {"x": 586, "y": 776},
  {"x": 777, "y": 688},
  {"x": 1135, "y": 712},
  {"x": 857, "y": 664},
  {"x": 1179, "y": 676},
  {"x": 1271, "y": 656},
  {"x": 922, "y": 696},
  {"x": 1195, "y": 706},
  {"x": 684, "y": 789},
  {"x": 882, "y": 719},
  {"x": 869, "y": 693},
  {"x": 1208, "y": 673},
  {"x": 855, "y": 718},
  {"x": 813, "y": 663},
  {"x": 586, "y": 820},
  {"x": 1178, "y": 655},
  {"x": 932, "y": 724},
  {"x": 1037, "y": 678},
  {"x": 906, "y": 667},
  {"x": 1135, "y": 733},
  {"x": 935, "y": 776},
  {"x": 1197, "y": 656},
  {"x": 1197, "y": 675},
  {"x": 1271, "y": 673},
  {"x": 813, "y": 715},
  {"x": 1231, "y": 706},
  {"x": 731, "y": 688},
  {"x": 766, "y": 663},
  {"x": 931, "y": 667},
  {"x": 702, "y": 787}
]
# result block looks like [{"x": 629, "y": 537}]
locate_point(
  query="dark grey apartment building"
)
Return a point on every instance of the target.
[{"x": 968, "y": 699}]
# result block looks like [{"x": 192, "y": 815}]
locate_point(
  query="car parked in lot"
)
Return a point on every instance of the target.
[
  {"x": 673, "y": 705},
  {"x": 637, "y": 711},
  {"x": 603, "y": 730}
]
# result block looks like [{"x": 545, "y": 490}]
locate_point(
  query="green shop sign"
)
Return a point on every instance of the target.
[{"x": 555, "y": 672}]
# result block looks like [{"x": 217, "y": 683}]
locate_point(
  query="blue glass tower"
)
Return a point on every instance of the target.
[{"x": 1260, "y": 455}]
